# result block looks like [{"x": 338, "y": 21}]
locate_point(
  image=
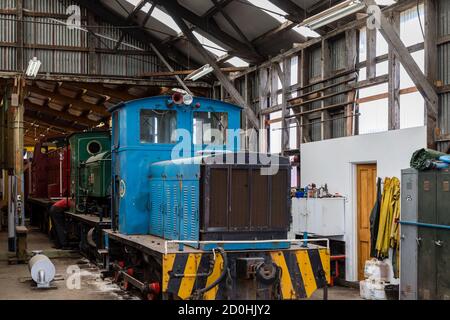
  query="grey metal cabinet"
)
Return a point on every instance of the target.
[
  {"x": 443, "y": 236},
  {"x": 408, "y": 236},
  {"x": 424, "y": 249}
]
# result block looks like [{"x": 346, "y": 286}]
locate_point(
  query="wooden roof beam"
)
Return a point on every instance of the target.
[
  {"x": 98, "y": 88},
  {"x": 59, "y": 114},
  {"x": 295, "y": 13},
  {"x": 64, "y": 100},
  {"x": 130, "y": 18},
  {"x": 216, "y": 8},
  {"x": 235, "y": 27}
]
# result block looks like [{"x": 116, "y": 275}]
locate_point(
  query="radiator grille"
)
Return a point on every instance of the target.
[{"x": 241, "y": 199}]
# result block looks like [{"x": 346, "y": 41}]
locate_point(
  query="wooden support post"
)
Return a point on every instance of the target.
[
  {"x": 18, "y": 111},
  {"x": 394, "y": 79},
  {"x": 9, "y": 129},
  {"x": 274, "y": 84},
  {"x": 301, "y": 82},
  {"x": 244, "y": 122},
  {"x": 285, "y": 84},
  {"x": 273, "y": 98},
  {"x": 304, "y": 80},
  {"x": 264, "y": 82},
  {"x": 222, "y": 93},
  {"x": 4, "y": 199},
  {"x": 431, "y": 67},
  {"x": 351, "y": 52},
  {"x": 371, "y": 53},
  {"x": 325, "y": 114}
]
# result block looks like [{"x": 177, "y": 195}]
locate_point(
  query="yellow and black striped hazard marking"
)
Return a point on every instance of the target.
[{"x": 302, "y": 272}]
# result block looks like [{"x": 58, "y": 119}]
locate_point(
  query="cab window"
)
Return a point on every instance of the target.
[
  {"x": 210, "y": 128},
  {"x": 158, "y": 126},
  {"x": 116, "y": 129}
]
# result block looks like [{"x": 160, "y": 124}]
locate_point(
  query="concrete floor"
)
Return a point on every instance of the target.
[
  {"x": 338, "y": 293},
  {"x": 14, "y": 283}
]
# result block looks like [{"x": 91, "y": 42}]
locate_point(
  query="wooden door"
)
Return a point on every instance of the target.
[{"x": 366, "y": 195}]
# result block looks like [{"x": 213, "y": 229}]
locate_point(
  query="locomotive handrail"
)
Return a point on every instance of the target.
[{"x": 166, "y": 243}]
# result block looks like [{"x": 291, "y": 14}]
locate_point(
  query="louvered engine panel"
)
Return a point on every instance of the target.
[{"x": 156, "y": 208}]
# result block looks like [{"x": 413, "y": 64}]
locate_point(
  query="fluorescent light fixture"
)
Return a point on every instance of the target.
[
  {"x": 201, "y": 72},
  {"x": 332, "y": 14},
  {"x": 33, "y": 67}
]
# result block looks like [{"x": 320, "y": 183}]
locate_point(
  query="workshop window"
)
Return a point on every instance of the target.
[
  {"x": 158, "y": 126},
  {"x": 210, "y": 128}
]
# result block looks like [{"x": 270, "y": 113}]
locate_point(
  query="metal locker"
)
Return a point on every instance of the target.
[
  {"x": 426, "y": 236},
  {"x": 408, "y": 235},
  {"x": 442, "y": 241},
  {"x": 425, "y": 249}
]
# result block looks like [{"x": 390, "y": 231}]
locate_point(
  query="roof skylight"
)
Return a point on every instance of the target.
[
  {"x": 209, "y": 45},
  {"x": 237, "y": 62},
  {"x": 272, "y": 10}
]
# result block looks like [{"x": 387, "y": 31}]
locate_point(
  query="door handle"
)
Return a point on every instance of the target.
[{"x": 439, "y": 243}]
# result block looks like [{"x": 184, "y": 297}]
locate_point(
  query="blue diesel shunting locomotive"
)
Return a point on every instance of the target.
[{"x": 200, "y": 199}]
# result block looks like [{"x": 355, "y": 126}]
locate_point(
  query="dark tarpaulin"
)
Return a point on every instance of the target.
[
  {"x": 374, "y": 220},
  {"x": 420, "y": 157}
]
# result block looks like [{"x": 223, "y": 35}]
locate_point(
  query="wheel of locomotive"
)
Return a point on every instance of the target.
[
  {"x": 90, "y": 237},
  {"x": 151, "y": 272}
]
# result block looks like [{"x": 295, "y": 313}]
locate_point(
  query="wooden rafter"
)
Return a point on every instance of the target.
[
  {"x": 77, "y": 104},
  {"x": 235, "y": 27},
  {"x": 129, "y": 19},
  {"x": 59, "y": 114},
  {"x": 295, "y": 13},
  {"x": 117, "y": 92},
  {"x": 215, "y": 9}
]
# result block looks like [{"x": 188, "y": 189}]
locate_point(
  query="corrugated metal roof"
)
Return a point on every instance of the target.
[{"x": 252, "y": 21}]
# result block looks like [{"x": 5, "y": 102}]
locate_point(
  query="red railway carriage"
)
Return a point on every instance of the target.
[{"x": 50, "y": 168}]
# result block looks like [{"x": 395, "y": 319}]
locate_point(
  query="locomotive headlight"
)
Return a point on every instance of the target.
[{"x": 188, "y": 99}]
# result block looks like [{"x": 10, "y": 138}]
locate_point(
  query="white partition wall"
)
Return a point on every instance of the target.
[{"x": 334, "y": 162}]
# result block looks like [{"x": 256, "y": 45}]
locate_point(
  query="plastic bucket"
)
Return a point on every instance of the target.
[{"x": 392, "y": 291}]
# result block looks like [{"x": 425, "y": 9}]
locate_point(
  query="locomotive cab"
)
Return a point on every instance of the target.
[{"x": 173, "y": 177}]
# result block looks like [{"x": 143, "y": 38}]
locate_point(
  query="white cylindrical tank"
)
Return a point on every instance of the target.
[{"x": 42, "y": 270}]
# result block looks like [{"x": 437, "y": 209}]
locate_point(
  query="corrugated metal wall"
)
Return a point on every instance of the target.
[
  {"x": 338, "y": 62},
  {"x": 314, "y": 74},
  {"x": 444, "y": 68},
  {"x": 315, "y": 132},
  {"x": 7, "y": 4},
  {"x": 68, "y": 49}
]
